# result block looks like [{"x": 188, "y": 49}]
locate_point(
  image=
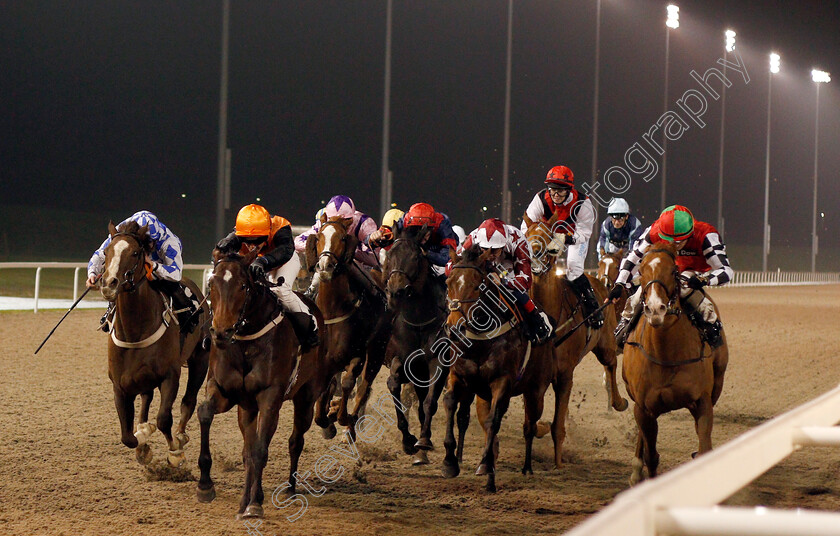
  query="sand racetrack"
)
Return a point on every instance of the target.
[{"x": 63, "y": 469}]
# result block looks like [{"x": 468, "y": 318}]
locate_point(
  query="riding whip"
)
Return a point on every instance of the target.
[
  {"x": 568, "y": 334},
  {"x": 65, "y": 315}
]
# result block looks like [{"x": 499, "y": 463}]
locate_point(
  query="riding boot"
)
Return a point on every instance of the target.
[
  {"x": 188, "y": 317},
  {"x": 105, "y": 321},
  {"x": 306, "y": 330},
  {"x": 587, "y": 299},
  {"x": 540, "y": 328},
  {"x": 709, "y": 331}
]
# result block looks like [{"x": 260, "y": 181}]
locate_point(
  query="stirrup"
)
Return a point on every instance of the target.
[{"x": 621, "y": 332}]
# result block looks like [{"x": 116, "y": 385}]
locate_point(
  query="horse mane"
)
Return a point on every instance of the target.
[
  {"x": 471, "y": 255},
  {"x": 132, "y": 228},
  {"x": 413, "y": 232}
]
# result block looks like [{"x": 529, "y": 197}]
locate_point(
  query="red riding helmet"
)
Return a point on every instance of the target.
[
  {"x": 560, "y": 176},
  {"x": 676, "y": 223},
  {"x": 421, "y": 214}
]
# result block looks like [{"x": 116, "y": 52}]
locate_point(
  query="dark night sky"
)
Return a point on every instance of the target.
[{"x": 112, "y": 106}]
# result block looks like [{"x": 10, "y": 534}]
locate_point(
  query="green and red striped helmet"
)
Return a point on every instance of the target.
[{"x": 676, "y": 223}]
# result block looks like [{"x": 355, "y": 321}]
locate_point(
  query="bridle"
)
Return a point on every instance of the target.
[
  {"x": 455, "y": 305},
  {"x": 412, "y": 279},
  {"x": 241, "y": 320},
  {"x": 673, "y": 296},
  {"x": 128, "y": 284},
  {"x": 338, "y": 263}
]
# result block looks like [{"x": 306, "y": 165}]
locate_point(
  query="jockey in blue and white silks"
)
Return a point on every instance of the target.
[
  {"x": 166, "y": 249},
  {"x": 620, "y": 230}
]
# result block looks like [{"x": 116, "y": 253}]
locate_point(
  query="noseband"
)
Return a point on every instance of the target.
[
  {"x": 455, "y": 305},
  {"x": 411, "y": 278},
  {"x": 674, "y": 295},
  {"x": 329, "y": 254}
]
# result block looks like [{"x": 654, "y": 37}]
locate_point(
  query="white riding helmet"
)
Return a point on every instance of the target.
[
  {"x": 458, "y": 230},
  {"x": 618, "y": 206},
  {"x": 491, "y": 234}
]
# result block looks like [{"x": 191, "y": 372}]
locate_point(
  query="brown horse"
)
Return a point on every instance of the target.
[
  {"x": 255, "y": 364},
  {"x": 608, "y": 268},
  {"x": 144, "y": 350},
  {"x": 666, "y": 365},
  {"x": 490, "y": 359},
  {"x": 356, "y": 333},
  {"x": 417, "y": 305},
  {"x": 552, "y": 291}
]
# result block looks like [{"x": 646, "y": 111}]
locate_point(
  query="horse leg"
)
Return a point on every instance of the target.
[
  {"x": 463, "y": 422},
  {"x": 606, "y": 356},
  {"x": 213, "y": 404},
  {"x": 638, "y": 474},
  {"x": 247, "y": 417},
  {"x": 373, "y": 363},
  {"x": 322, "y": 419},
  {"x": 348, "y": 381},
  {"x": 719, "y": 369},
  {"x": 145, "y": 403},
  {"x": 533, "y": 411},
  {"x": 395, "y": 381},
  {"x": 261, "y": 432},
  {"x": 648, "y": 428},
  {"x": 302, "y": 421},
  {"x": 500, "y": 389},
  {"x": 430, "y": 404},
  {"x": 703, "y": 414},
  {"x": 168, "y": 394},
  {"x": 143, "y": 452},
  {"x": 562, "y": 391},
  {"x": 197, "y": 370},
  {"x": 450, "y": 402}
]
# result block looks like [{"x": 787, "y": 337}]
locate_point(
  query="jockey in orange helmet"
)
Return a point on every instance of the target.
[
  {"x": 277, "y": 261},
  {"x": 166, "y": 263},
  {"x": 576, "y": 218},
  {"x": 701, "y": 258},
  {"x": 510, "y": 259}
]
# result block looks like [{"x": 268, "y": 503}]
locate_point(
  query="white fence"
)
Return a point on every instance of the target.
[
  {"x": 767, "y": 279},
  {"x": 682, "y": 501}
]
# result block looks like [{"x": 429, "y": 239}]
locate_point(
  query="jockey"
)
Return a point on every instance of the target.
[
  {"x": 437, "y": 239},
  {"x": 389, "y": 221},
  {"x": 575, "y": 218},
  {"x": 620, "y": 230},
  {"x": 511, "y": 259},
  {"x": 272, "y": 236},
  {"x": 361, "y": 227},
  {"x": 166, "y": 264},
  {"x": 701, "y": 257}
]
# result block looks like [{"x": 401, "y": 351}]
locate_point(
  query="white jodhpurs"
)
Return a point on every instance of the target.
[
  {"x": 289, "y": 272},
  {"x": 698, "y": 300},
  {"x": 575, "y": 255}
]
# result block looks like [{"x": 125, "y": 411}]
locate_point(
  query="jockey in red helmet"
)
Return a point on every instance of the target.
[
  {"x": 701, "y": 258},
  {"x": 510, "y": 260},
  {"x": 438, "y": 236},
  {"x": 576, "y": 218}
]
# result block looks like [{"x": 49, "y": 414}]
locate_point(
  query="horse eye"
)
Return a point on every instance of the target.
[
  {"x": 135, "y": 254},
  {"x": 243, "y": 286}
]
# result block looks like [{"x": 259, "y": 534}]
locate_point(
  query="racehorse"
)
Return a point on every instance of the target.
[
  {"x": 666, "y": 365},
  {"x": 552, "y": 291},
  {"x": 144, "y": 348},
  {"x": 489, "y": 359},
  {"x": 356, "y": 332},
  {"x": 608, "y": 268},
  {"x": 416, "y": 303},
  {"x": 255, "y": 364}
]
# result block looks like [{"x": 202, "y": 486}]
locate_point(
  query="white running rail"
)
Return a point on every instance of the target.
[
  {"x": 769, "y": 279},
  {"x": 683, "y": 501}
]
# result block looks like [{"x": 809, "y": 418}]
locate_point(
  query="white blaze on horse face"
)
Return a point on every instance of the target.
[
  {"x": 655, "y": 306},
  {"x": 114, "y": 266},
  {"x": 228, "y": 276},
  {"x": 328, "y": 233}
]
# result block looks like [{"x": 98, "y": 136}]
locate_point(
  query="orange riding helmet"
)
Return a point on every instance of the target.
[{"x": 252, "y": 221}]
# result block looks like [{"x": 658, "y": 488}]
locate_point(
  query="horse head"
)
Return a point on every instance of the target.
[
  {"x": 660, "y": 283},
  {"x": 231, "y": 286},
  {"x": 406, "y": 268},
  {"x": 546, "y": 240},
  {"x": 464, "y": 288},
  {"x": 335, "y": 245},
  {"x": 608, "y": 267},
  {"x": 125, "y": 257}
]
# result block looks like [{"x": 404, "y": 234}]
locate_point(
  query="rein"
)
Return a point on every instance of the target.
[{"x": 668, "y": 363}]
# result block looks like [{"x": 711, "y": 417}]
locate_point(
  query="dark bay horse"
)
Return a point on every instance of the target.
[
  {"x": 552, "y": 291},
  {"x": 417, "y": 305},
  {"x": 608, "y": 268},
  {"x": 144, "y": 350},
  {"x": 666, "y": 365},
  {"x": 490, "y": 359},
  {"x": 255, "y": 364},
  {"x": 356, "y": 332}
]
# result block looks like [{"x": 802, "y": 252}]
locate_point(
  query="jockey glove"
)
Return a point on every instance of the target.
[
  {"x": 696, "y": 283},
  {"x": 258, "y": 267},
  {"x": 569, "y": 240},
  {"x": 615, "y": 292}
]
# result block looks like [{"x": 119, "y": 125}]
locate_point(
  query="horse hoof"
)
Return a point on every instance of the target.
[
  {"x": 176, "y": 458},
  {"x": 409, "y": 444},
  {"x": 693, "y": 454},
  {"x": 254, "y": 511},
  {"x": 621, "y": 405},
  {"x": 527, "y": 470},
  {"x": 490, "y": 487},
  {"x": 483, "y": 470},
  {"x": 143, "y": 453},
  {"x": 329, "y": 431},
  {"x": 205, "y": 495},
  {"x": 421, "y": 458},
  {"x": 542, "y": 428},
  {"x": 424, "y": 443},
  {"x": 183, "y": 439},
  {"x": 451, "y": 470}
]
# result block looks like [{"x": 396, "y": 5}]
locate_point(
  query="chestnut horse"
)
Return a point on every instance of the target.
[
  {"x": 144, "y": 348},
  {"x": 666, "y": 365},
  {"x": 417, "y": 306},
  {"x": 608, "y": 268},
  {"x": 490, "y": 360},
  {"x": 255, "y": 364},
  {"x": 552, "y": 291},
  {"x": 356, "y": 333}
]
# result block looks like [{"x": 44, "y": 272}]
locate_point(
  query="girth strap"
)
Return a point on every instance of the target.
[{"x": 274, "y": 322}]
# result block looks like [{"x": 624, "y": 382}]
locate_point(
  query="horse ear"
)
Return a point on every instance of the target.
[
  {"x": 112, "y": 229},
  {"x": 145, "y": 239},
  {"x": 250, "y": 256},
  {"x": 311, "y": 251},
  {"x": 346, "y": 222},
  {"x": 621, "y": 253},
  {"x": 323, "y": 218},
  {"x": 483, "y": 258},
  {"x": 217, "y": 255},
  {"x": 453, "y": 256}
]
